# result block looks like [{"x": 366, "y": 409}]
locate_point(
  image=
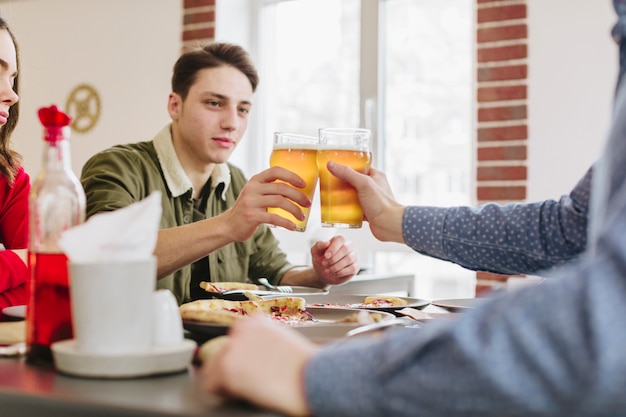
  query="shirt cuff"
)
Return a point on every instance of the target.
[{"x": 422, "y": 229}]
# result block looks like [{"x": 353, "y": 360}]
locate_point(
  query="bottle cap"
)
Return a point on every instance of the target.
[{"x": 55, "y": 123}]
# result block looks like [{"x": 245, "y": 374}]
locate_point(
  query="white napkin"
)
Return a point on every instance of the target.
[{"x": 125, "y": 234}]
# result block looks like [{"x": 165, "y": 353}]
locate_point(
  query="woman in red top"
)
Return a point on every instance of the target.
[{"x": 14, "y": 182}]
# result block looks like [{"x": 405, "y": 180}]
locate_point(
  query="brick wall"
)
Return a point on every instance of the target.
[
  {"x": 198, "y": 22},
  {"x": 501, "y": 119}
]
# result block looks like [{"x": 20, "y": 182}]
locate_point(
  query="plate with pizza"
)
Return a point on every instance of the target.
[
  {"x": 385, "y": 303},
  {"x": 241, "y": 291},
  {"x": 210, "y": 318}
]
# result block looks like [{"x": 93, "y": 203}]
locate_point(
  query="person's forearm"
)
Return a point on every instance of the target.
[
  {"x": 388, "y": 227},
  {"x": 520, "y": 238},
  {"x": 183, "y": 245},
  {"x": 304, "y": 276},
  {"x": 549, "y": 353}
]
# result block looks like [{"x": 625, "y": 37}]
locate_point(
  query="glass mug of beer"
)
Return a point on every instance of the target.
[
  {"x": 339, "y": 200},
  {"x": 297, "y": 153}
]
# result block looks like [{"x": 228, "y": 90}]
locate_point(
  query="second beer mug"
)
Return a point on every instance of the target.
[
  {"x": 339, "y": 200},
  {"x": 298, "y": 154}
]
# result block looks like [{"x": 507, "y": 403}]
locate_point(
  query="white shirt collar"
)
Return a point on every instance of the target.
[{"x": 175, "y": 177}]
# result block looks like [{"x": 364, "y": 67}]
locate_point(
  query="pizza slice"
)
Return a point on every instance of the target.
[
  {"x": 221, "y": 287},
  {"x": 372, "y": 301},
  {"x": 285, "y": 309},
  {"x": 290, "y": 310},
  {"x": 384, "y": 301}
]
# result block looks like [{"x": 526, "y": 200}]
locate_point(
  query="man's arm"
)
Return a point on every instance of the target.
[
  {"x": 183, "y": 245},
  {"x": 119, "y": 177},
  {"x": 515, "y": 238},
  {"x": 550, "y": 349},
  {"x": 334, "y": 263}
]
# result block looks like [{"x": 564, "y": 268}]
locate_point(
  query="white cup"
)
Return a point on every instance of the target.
[
  {"x": 168, "y": 325},
  {"x": 114, "y": 307}
]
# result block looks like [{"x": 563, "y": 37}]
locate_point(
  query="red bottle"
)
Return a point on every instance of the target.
[{"x": 57, "y": 202}]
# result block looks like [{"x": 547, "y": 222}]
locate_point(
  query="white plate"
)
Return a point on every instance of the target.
[
  {"x": 158, "y": 360},
  {"x": 459, "y": 303},
  {"x": 324, "y": 329},
  {"x": 15, "y": 311},
  {"x": 356, "y": 301},
  {"x": 299, "y": 291}
]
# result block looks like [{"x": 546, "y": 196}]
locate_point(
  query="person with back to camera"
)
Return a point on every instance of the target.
[
  {"x": 14, "y": 181},
  {"x": 555, "y": 349},
  {"x": 214, "y": 221}
]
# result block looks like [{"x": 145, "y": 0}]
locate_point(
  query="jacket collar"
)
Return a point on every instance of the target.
[{"x": 175, "y": 177}]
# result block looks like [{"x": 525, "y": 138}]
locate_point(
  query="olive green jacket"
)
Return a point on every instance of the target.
[{"x": 125, "y": 174}]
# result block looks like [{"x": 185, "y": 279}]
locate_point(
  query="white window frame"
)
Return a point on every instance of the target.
[
  {"x": 242, "y": 28},
  {"x": 242, "y": 18}
]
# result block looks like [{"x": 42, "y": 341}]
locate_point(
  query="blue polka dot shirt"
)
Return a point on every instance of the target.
[{"x": 516, "y": 238}]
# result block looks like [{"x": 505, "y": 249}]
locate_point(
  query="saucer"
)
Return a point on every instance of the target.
[{"x": 70, "y": 360}]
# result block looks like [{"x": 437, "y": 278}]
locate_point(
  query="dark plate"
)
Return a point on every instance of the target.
[
  {"x": 323, "y": 330},
  {"x": 458, "y": 303},
  {"x": 354, "y": 301}
]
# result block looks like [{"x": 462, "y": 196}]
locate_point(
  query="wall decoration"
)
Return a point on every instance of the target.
[{"x": 83, "y": 104}]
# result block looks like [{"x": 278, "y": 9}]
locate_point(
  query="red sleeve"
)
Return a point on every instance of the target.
[
  {"x": 13, "y": 275},
  {"x": 14, "y": 211},
  {"x": 13, "y": 235},
  {"x": 14, "y": 297}
]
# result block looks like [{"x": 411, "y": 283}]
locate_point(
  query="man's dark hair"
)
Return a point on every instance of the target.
[{"x": 211, "y": 56}]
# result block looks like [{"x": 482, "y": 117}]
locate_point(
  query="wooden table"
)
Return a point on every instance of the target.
[{"x": 27, "y": 391}]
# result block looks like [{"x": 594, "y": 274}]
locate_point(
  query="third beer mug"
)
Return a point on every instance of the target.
[{"x": 339, "y": 200}]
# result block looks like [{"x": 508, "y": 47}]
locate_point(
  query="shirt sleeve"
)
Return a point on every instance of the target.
[
  {"x": 516, "y": 238},
  {"x": 269, "y": 260},
  {"x": 550, "y": 349},
  {"x": 113, "y": 179},
  {"x": 14, "y": 211},
  {"x": 13, "y": 235},
  {"x": 13, "y": 271}
]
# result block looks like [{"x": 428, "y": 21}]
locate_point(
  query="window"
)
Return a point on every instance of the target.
[
  {"x": 402, "y": 68},
  {"x": 309, "y": 59},
  {"x": 427, "y": 87}
]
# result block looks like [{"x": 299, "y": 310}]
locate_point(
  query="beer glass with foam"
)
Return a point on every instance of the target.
[
  {"x": 297, "y": 153},
  {"x": 339, "y": 200}
]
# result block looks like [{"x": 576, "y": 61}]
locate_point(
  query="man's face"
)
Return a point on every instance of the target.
[{"x": 211, "y": 121}]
